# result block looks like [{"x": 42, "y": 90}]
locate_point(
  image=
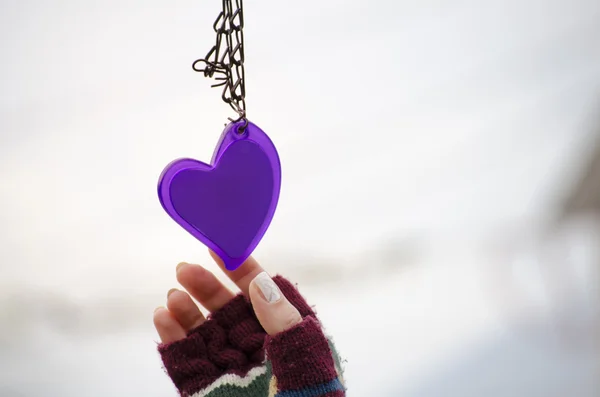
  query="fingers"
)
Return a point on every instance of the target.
[
  {"x": 203, "y": 286},
  {"x": 184, "y": 309},
  {"x": 182, "y": 314},
  {"x": 180, "y": 317},
  {"x": 273, "y": 310},
  {"x": 169, "y": 329},
  {"x": 243, "y": 275}
]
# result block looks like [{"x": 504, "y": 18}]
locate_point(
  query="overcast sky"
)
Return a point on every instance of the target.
[{"x": 391, "y": 117}]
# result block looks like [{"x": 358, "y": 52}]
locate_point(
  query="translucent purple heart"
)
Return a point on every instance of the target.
[{"x": 228, "y": 204}]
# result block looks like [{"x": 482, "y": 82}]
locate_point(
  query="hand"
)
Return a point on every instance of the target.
[
  {"x": 265, "y": 341},
  {"x": 273, "y": 310}
]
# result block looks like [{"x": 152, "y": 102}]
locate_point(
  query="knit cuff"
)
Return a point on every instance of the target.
[{"x": 302, "y": 357}]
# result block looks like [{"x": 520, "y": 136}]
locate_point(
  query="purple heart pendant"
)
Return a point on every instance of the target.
[{"x": 228, "y": 204}]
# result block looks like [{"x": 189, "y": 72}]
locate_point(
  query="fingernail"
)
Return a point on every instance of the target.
[
  {"x": 171, "y": 291},
  {"x": 269, "y": 290},
  {"x": 180, "y": 265},
  {"x": 158, "y": 308}
]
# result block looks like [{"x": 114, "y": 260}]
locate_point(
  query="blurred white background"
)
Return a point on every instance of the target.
[{"x": 429, "y": 150}]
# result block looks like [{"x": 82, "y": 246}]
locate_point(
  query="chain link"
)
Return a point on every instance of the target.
[{"x": 225, "y": 60}]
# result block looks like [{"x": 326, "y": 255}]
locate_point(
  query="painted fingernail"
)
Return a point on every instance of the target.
[
  {"x": 171, "y": 291},
  {"x": 269, "y": 290}
]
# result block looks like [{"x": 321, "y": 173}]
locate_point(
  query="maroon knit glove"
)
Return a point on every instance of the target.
[{"x": 225, "y": 356}]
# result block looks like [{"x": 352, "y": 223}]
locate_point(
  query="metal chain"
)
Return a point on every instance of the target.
[{"x": 225, "y": 60}]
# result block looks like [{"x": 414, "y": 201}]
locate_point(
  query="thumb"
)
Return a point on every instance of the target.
[{"x": 273, "y": 310}]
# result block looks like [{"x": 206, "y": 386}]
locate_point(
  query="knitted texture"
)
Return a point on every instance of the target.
[{"x": 230, "y": 355}]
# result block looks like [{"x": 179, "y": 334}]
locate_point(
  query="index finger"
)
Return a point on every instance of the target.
[{"x": 243, "y": 275}]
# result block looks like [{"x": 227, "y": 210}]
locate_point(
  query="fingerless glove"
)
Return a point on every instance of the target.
[{"x": 230, "y": 355}]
